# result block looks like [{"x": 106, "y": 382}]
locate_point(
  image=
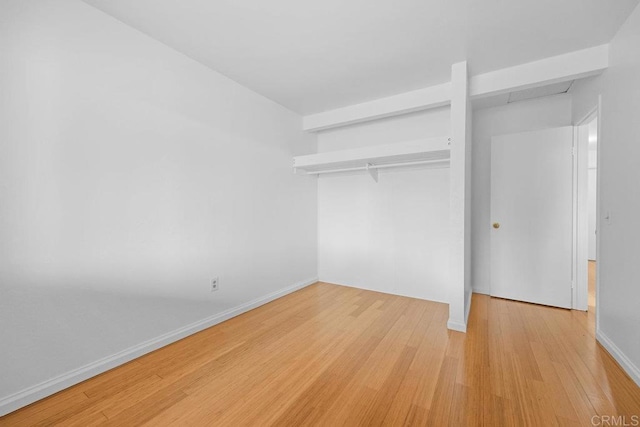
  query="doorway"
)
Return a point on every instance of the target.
[
  {"x": 592, "y": 172},
  {"x": 544, "y": 192},
  {"x": 587, "y": 212}
]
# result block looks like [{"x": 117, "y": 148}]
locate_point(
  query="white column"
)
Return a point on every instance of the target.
[{"x": 460, "y": 215}]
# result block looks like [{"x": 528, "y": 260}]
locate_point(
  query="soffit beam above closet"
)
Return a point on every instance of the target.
[
  {"x": 560, "y": 68},
  {"x": 408, "y": 102}
]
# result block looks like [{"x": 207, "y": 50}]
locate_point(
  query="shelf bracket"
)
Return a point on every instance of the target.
[{"x": 372, "y": 171}]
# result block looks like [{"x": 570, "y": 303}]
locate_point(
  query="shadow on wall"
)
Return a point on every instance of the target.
[
  {"x": 130, "y": 175},
  {"x": 71, "y": 324}
]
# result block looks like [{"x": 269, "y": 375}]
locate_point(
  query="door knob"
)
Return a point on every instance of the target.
[{"x": 496, "y": 225}]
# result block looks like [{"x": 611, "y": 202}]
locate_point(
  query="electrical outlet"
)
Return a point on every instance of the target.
[{"x": 215, "y": 284}]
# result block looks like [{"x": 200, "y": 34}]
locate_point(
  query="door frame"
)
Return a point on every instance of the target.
[{"x": 580, "y": 240}]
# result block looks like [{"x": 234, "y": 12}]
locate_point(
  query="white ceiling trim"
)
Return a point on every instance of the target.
[
  {"x": 552, "y": 70},
  {"x": 556, "y": 69}
]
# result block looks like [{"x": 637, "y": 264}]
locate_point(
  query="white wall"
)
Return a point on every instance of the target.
[
  {"x": 391, "y": 236},
  {"x": 523, "y": 116},
  {"x": 619, "y": 150},
  {"x": 584, "y": 97},
  {"x": 129, "y": 176}
]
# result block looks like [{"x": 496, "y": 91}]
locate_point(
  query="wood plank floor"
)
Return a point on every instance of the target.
[{"x": 331, "y": 355}]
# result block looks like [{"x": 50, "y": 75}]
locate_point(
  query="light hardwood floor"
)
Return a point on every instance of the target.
[{"x": 331, "y": 355}]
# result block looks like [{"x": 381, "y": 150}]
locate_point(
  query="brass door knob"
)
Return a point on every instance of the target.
[{"x": 496, "y": 225}]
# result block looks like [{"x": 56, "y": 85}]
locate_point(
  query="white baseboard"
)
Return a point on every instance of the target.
[
  {"x": 483, "y": 291},
  {"x": 626, "y": 364},
  {"x": 456, "y": 326},
  {"x": 462, "y": 326},
  {"x": 364, "y": 288},
  {"x": 31, "y": 394},
  {"x": 468, "y": 299}
]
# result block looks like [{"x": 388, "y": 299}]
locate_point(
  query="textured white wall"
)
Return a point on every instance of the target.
[
  {"x": 129, "y": 176},
  {"x": 391, "y": 236},
  {"x": 523, "y": 116},
  {"x": 619, "y": 293}
]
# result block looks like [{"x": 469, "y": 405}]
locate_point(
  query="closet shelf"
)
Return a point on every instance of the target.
[{"x": 410, "y": 153}]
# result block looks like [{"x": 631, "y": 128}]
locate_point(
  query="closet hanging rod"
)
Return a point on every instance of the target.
[{"x": 383, "y": 166}]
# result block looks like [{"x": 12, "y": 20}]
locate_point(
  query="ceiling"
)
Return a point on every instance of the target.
[{"x": 312, "y": 56}]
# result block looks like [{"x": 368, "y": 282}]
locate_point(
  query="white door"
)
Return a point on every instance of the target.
[{"x": 532, "y": 216}]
